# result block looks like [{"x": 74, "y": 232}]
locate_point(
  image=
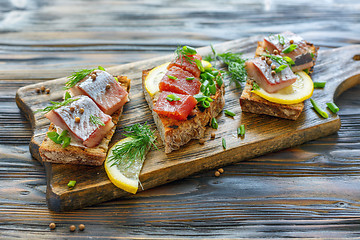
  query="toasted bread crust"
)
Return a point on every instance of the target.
[
  {"x": 53, "y": 152},
  {"x": 250, "y": 102},
  {"x": 176, "y": 133}
]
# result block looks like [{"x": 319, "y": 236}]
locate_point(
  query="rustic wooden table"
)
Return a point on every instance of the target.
[{"x": 309, "y": 191}]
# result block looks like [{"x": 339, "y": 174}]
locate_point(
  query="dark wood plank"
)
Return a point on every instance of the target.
[{"x": 128, "y": 31}]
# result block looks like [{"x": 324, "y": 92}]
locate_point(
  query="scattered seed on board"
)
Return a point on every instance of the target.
[
  {"x": 202, "y": 141},
  {"x": 217, "y": 174},
  {"x": 47, "y": 90},
  {"x": 42, "y": 88},
  {"x": 37, "y": 90},
  {"x": 212, "y": 135},
  {"x": 52, "y": 226},
  {"x": 72, "y": 228},
  {"x": 221, "y": 170},
  {"x": 81, "y": 227},
  {"x": 81, "y": 110}
]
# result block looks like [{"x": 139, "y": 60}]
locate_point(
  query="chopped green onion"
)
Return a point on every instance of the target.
[
  {"x": 205, "y": 104},
  {"x": 172, "y": 77},
  {"x": 172, "y": 97},
  {"x": 241, "y": 130},
  {"x": 199, "y": 65},
  {"x": 288, "y": 60},
  {"x": 116, "y": 79},
  {"x": 215, "y": 72},
  {"x": 280, "y": 68},
  {"x": 54, "y": 136},
  {"x": 212, "y": 88},
  {"x": 190, "y": 78},
  {"x": 255, "y": 86},
  {"x": 71, "y": 184},
  {"x": 281, "y": 39},
  {"x": 67, "y": 95},
  {"x": 333, "y": 107},
  {"x": 312, "y": 55},
  {"x": 214, "y": 123},
  {"x": 101, "y": 68},
  {"x": 229, "y": 113},
  {"x": 219, "y": 81},
  {"x": 319, "y": 84},
  {"x": 318, "y": 109},
  {"x": 223, "y": 143},
  {"x": 290, "y": 48},
  {"x": 189, "y": 50},
  {"x": 306, "y": 71}
]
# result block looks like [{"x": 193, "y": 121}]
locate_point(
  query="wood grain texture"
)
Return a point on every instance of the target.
[
  {"x": 308, "y": 191},
  {"x": 264, "y": 134}
]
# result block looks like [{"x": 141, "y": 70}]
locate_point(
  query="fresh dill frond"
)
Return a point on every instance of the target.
[
  {"x": 78, "y": 76},
  {"x": 141, "y": 139},
  {"x": 96, "y": 121},
  {"x": 56, "y": 105},
  {"x": 187, "y": 53},
  {"x": 235, "y": 64}
]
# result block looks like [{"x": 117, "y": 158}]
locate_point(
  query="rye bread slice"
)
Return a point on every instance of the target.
[
  {"x": 53, "y": 152},
  {"x": 175, "y": 133}
]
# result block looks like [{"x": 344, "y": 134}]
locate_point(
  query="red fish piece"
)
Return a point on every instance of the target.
[
  {"x": 175, "y": 109},
  {"x": 180, "y": 84},
  {"x": 183, "y": 63},
  {"x": 85, "y": 130},
  {"x": 260, "y": 72},
  {"x": 106, "y": 92}
]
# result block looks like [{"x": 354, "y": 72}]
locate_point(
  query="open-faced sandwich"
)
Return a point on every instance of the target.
[
  {"x": 278, "y": 80},
  {"x": 84, "y": 123},
  {"x": 183, "y": 95}
]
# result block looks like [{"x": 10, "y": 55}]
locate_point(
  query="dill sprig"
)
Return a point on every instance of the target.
[
  {"x": 187, "y": 53},
  {"x": 96, "y": 121},
  {"x": 141, "y": 139},
  {"x": 56, "y": 105},
  {"x": 235, "y": 64},
  {"x": 78, "y": 76}
]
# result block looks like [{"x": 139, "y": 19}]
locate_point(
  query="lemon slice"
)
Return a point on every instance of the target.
[
  {"x": 154, "y": 77},
  {"x": 124, "y": 177},
  {"x": 299, "y": 91}
]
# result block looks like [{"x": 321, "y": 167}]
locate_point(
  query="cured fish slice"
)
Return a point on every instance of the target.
[
  {"x": 260, "y": 72},
  {"x": 179, "y": 109},
  {"x": 76, "y": 119},
  {"x": 103, "y": 89},
  {"x": 302, "y": 55},
  {"x": 179, "y": 81},
  {"x": 183, "y": 62}
]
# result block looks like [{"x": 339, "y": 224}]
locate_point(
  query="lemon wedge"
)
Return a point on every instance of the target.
[
  {"x": 154, "y": 77},
  {"x": 299, "y": 91},
  {"x": 124, "y": 177}
]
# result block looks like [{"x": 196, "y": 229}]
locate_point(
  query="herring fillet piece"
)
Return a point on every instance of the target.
[
  {"x": 85, "y": 130},
  {"x": 301, "y": 55},
  {"x": 104, "y": 90},
  {"x": 260, "y": 72}
]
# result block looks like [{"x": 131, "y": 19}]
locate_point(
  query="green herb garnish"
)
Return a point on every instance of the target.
[
  {"x": 60, "y": 139},
  {"x": 190, "y": 78},
  {"x": 280, "y": 68},
  {"x": 241, "y": 130},
  {"x": 172, "y": 97},
  {"x": 78, "y": 76},
  {"x": 229, "y": 113},
  {"x": 290, "y": 48},
  {"x": 96, "y": 121},
  {"x": 235, "y": 64},
  {"x": 141, "y": 139},
  {"x": 71, "y": 184},
  {"x": 223, "y": 143},
  {"x": 187, "y": 52},
  {"x": 333, "y": 107},
  {"x": 319, "y": 109},
  {"x": 319, "y": 84},
  {"x": 255, "y": 86},
  {"x": 56, "y": 105},
  {"x": 281, "y": 39},
  {"x": 172, "y": 77},
  {"x": 203, "y": 100},
  {"x": 214, "y": 123}
]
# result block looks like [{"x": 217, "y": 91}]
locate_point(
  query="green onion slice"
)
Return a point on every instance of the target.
[
  {"x": 172, "y": 97},
  {"x": 290, "y": 48},
  {"x": 333, "y": 107},
  {"x": 319, "y": 84},
  {"x": 214, "y": 123},
  {"x": 318, "y": 109},
  {"x": 229, "y": 113}
]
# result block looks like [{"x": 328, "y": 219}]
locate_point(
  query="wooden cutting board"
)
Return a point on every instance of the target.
[{"x": 339, "y": 68}]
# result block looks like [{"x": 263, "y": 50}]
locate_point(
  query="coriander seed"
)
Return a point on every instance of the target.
[
  {"x": 276, "y": 52},
  {"x": 269, "y": 62},
  {"x": 81, "y": 227},
  {"x": 108, "y": 86},
  {"x": 77, "y": 119},
  {"x": 291, "y": 41},
  {"x": 42, "y": 88},
  {"x": 202, "y": 141},
  {"x": 81, "y": 110},
  {"x": 217, "y": 174},
  {"x": 37, "y": 90},
  {"x": 212, "y": 135},
  {"x": 72, "y": 228},
  {"x": 52, "y": 226},
  {"x": 72, "y": 109},
  {"x": 220, "y": 170},
  {"x": 262, "y": 57},
  {"x": 273, "y": 73},
  {"x": 273, "y": 67},
  {"x": 47, "y": 90}
]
